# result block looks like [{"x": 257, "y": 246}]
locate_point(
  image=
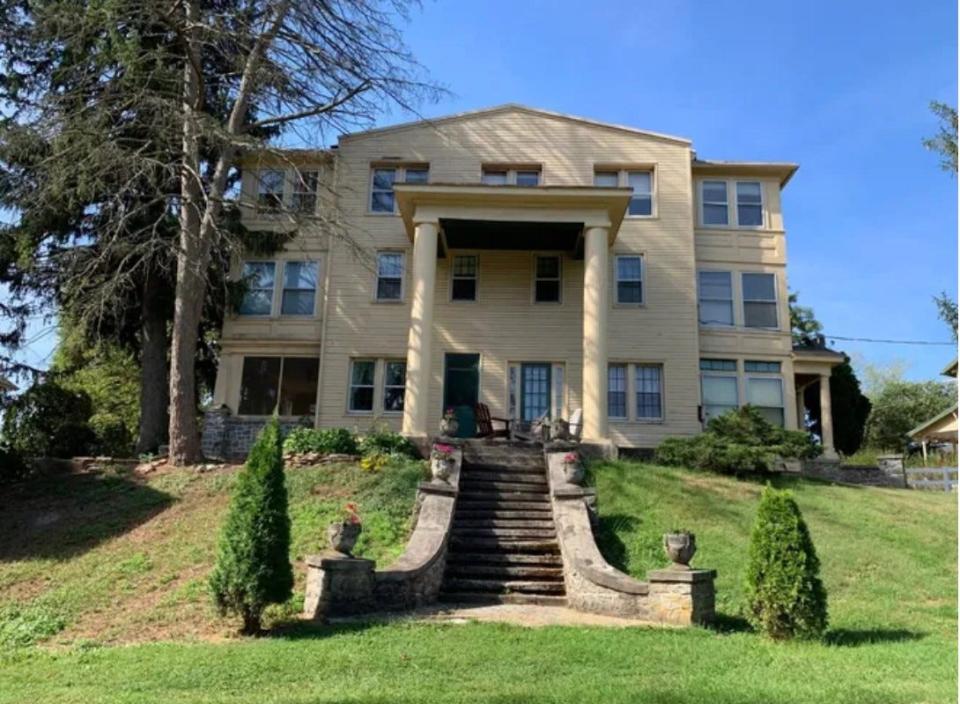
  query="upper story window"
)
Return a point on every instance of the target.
[
  {"x": 305, "y": 191},
  {"x": 749, "y": 204},
  {"x": 760, "y": 300},
  {"x": 463, "y": 284},
  {"x": 629, "y": 279},
  {"x": 547, "y": 280},
  {"x": 298, "y": 295},
  {"x": 713, "y": 196},
  {"x": 390, "y": 276},
  {"x": 496, "y": 175},
  {"x": 382, "y": 197},
  {"x": 270, "y": 189},
  {"x": 716, "y": 297},
  {"x": 260, "y": 278},
  {"x": 640, "y": 181},
  {"x": 715, "y": 199}
]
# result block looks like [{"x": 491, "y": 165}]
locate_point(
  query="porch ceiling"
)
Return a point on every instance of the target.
[{"x": 476, "y": 216}]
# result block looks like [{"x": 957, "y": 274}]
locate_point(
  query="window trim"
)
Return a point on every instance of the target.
[
  {"x": 775, "y": 301},
  {"x": 623, "y": 181},
  {"x": 476, "y": 278},
  {"x": 403, "y": 277},
  {"x": 351, "y": 386},
  {"x": 733, "y": 300},
  {"x": 399, "y": 176},
  {"x": 383, "y": 385},
  {"x": 616, "y": 281},
  {"x": 534, "y": 278}
]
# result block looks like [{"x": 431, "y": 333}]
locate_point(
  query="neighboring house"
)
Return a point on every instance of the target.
[
  {"x": 533, "y": 261},
  {"x": 942, "y": 428}
]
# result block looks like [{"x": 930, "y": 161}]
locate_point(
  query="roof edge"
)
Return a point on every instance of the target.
[{"x": 784, "y": 169}]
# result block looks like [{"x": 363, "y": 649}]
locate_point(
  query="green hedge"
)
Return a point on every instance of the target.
[{"x": 323, "y": 440}]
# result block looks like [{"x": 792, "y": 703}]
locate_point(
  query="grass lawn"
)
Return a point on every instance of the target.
[{"x": 109, "y": 562}]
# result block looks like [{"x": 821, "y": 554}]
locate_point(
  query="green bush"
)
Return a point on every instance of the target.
[
  {"x": 48, "y": 420},
  {"x": 739, "y": 442},
  {"x": 785, "y": 595},
  {"x": 12, "y": 466},
  {"x": 253, "y": 562},
  {"x": 325, "y": 440},
  {"x": 383, "y": 441}
]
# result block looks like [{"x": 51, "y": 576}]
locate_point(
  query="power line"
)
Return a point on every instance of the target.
[{"x": 891, "y": 342}]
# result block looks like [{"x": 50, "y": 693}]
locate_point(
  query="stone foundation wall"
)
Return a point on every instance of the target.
[
  {"x": 227, "y": 437},
  {"x": 865, "y": 476}
]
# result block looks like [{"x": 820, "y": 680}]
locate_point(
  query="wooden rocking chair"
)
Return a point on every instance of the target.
[{"x": 485, "y": 423}]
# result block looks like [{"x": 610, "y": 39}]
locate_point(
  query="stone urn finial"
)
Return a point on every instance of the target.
[
  {"x": 343, "y": 534},
  {"x": 441, "y": 461},
  {"x": 449, "y": 425},
  {"x": 680, "y": 546}
]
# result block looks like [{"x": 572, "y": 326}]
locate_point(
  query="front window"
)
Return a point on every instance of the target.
[
  {"x": 287, "y": 385},
  {"x": 716, "y": 298},
  {"x": 719, "y": 395},
  {"x": 381, "y": 190},
  {"x": 749, "y": 204},
  {"x": 630, "y": 279},
  {"x": 270, "y": 189},
  {"x": 464, "y": 278},
  {"x": 760, "y": 300},
  {"x": 641, "y": 202},
  {"x": 617, "y": 391},
  {"x": 299, "y": 288},
  {"x": 362, "y": 373},
  {"x": 649, "y": 386},
  {"x": 713, "y": 196},
  {"x": 389, "y": 276},
  {"x": 766, "y": 395},
  {"x": 394, "y": 386},
  {"x": 305, "y": 192},
  {"x": 547, "y": 283},
  {"x": 258, "y": 298}
]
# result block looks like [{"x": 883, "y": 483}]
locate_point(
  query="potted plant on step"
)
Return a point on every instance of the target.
[
  {"x": 449, "y": 424},
  {"x": 343, "y": 534},
  {"x": 572, "y": 468},
  {"x": 680, "y": 546},
  {"x": 441, "y": 462}
]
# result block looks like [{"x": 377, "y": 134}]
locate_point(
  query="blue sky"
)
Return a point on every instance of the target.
[{"x": 840, "y": 87}]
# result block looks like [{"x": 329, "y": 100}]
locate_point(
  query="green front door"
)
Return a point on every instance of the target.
[{"x": 461, "y": 390}]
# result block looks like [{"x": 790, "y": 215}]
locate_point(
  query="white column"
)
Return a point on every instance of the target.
[
  {"x": 595, "y": 306},
  {"x": 826, "y": 418},
  {"x": 416, "y": 405}
]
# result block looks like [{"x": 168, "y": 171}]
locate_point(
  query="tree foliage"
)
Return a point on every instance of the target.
[
  {"x": 947, "y": 311},
  {"x": 945, "y": 141},
  {"x": 899, "y": 406},
  {"x": 253, "y": 562},
  {"x": 785, "y": 595},
  {"x": 804, "y": 326},
  {"x": 48, "y": 420}
]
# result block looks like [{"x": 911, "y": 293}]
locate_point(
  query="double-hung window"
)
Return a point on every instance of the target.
[
  {"x": 394, "y": 385},
  {"x": 648, "y": 382},
  {"x": 494, "y": 177},
  {"x": 498, "y": 175},
  {"x": 718, "y": 387},
  {"x": 617, "y": 391},
  {"x": 713, "y": 198},
  {"x": 547, "y": 280},
  {"x": 749, "y": 204},
  {"x": 390, "y": 276},
  {"x": 639, "y": 181},
  {"x": 716, "y": 297},
  {"x": 285, "y": 384},
  {"x": 764, "y": 389},
  {"x": 760, "y": 300},
  {"x": 305, "y": 191},
  {"x": 270, "y": 189},
  {"x": 382, "y": 197},
  {"x": 259, "y": 278},
  {"x": 463, "y": 284},
  {"x": 629, "y": 279},
  {"x": 362, "y": 378},
  {"x": 299, "y": 288}
]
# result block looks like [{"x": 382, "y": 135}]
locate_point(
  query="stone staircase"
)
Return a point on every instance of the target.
[{"x": 503, "y": 546}]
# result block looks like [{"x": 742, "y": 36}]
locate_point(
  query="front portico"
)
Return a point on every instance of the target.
[{"x": 581, "y": 222}]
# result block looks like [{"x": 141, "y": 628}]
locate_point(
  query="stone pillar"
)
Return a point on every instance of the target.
[
  {"x": 682, "y": 597},
  {"x": 213, "y": 442},
  {"x": 826, "y": 419},
  {"x": 416, "y": 406},
  {"x": 338, "y": 585},
  {"x": 596, "y": 294}
]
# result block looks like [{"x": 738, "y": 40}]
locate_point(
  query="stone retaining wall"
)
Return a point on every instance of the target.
[
  {"x": 227, "y": 437},
  {"x": 891, "y": 475}
]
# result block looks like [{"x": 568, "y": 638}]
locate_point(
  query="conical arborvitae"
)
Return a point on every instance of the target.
[
  {"x": 785, "y": 595},
  {"x": 253, "y": 563}
]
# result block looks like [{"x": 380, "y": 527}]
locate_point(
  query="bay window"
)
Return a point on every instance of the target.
[
  {"x": 715, "y": 297},
  {"x": 713, "y": 200},
  {"x": 759, "y": 300},
  {"x": 258, "y": 297}
]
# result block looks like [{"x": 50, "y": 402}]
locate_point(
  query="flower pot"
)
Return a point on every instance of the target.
[
  {"x": 449, "y": 427},
  {"x": 343, "y": 536},
  {"x": 680, "y": 548},
  {"x": 573, "y": 472},
  {"x": 440, "y": 469}
]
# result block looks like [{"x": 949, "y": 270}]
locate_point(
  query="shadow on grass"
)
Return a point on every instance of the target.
[
  {"x": 729, "y": 623},
  {"x": 316, "y": 630},
  {"x": 64, "y": 516},
  {"x": 611, "y": 546},
  {"x": 852, "y": 638}
]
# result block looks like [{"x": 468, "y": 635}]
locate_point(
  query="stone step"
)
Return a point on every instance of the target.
[
  {"x": 467, "y": 485},
  {"x": 525, "y": 522},
  {"x": 525, "y": 572},
  {"x": 499, "y": 586},
  {"x": 504, "y": 559},
  {"x": 538, "y": 480},
  {"x": 480, "y": 599},
  {"x": 547, "y": 532},
  {"x": 495, "y": 514},
  {"x": 502, "y": 497},
  {"x": 498, "y": 465},
  {"x": 488, "y": 503},
  {"x": 473, "y": 543}
]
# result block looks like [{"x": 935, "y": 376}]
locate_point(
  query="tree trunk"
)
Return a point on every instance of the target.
[{"x": 154, "y": 392}]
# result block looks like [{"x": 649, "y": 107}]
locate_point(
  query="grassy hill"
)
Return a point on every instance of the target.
[{"x": 91, "y": 562}]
